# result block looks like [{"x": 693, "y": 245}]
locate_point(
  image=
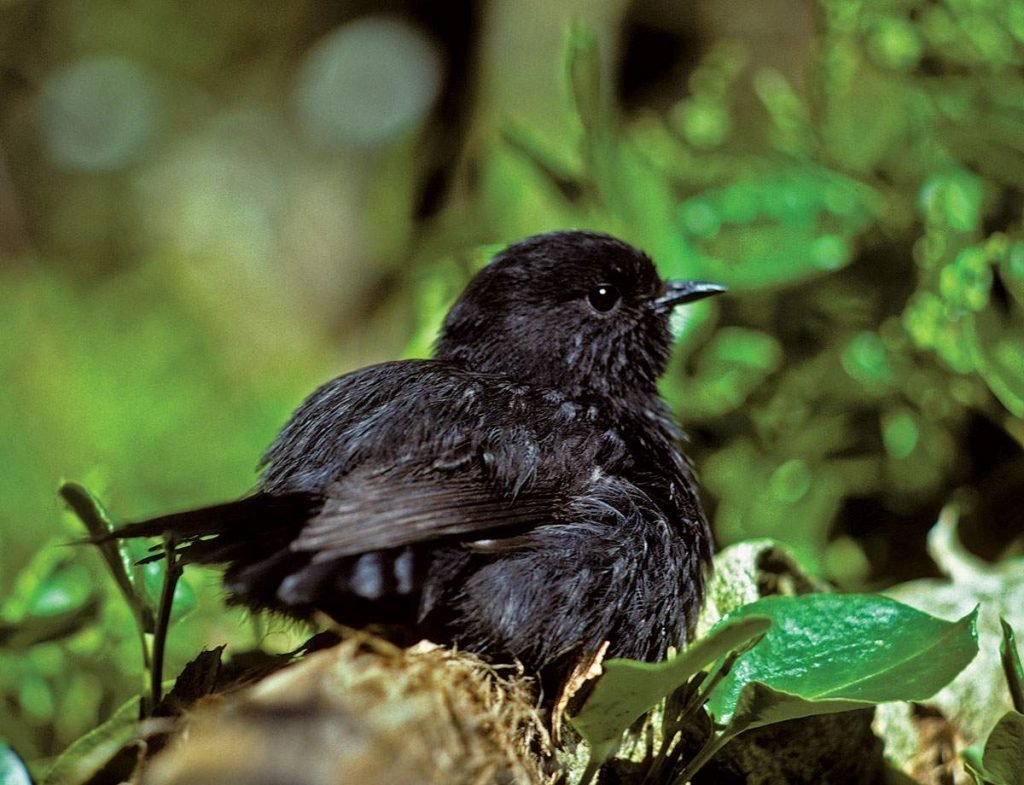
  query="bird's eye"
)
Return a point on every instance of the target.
[{"x": 604, "y": 297}]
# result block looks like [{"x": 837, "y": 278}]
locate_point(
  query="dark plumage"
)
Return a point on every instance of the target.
[{"x": 522, "y": 494}]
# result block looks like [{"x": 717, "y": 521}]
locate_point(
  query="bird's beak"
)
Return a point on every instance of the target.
[{"x": 679, "y": 292}]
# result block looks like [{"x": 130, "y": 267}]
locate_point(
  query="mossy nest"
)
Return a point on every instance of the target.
[{"x": 366, "y": 712}]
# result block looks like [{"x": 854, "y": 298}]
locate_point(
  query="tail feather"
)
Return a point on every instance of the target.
[
  {"x": 252, "y": 513},
  {"x": 250, "y": 539},
  {"x": 239, "y": 531}
]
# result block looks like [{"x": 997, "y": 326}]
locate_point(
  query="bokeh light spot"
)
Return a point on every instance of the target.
[
  {"x": 367, "y": 82},
  {"x": 900, "y": 433},
  {"x": 699, "y": 218},
  {"x": 866, "y": 360},
  {"x": 896, "y": 44},
  {"x": 98, "y": 114},
  {"x": 704, "y": 123},
  {"x": 791, "y": 481},
  {"x": 830, "y": 252}
]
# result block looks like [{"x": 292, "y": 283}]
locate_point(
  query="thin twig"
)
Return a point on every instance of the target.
[
  {"x": 701, "y": 695},
  {"x": 590, "y": 772},
  {"x": 711, "y": 747},
  {"x": 171, "y": 576}
]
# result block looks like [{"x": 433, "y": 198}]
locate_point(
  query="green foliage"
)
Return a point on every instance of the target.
[
  {"x": 868, "y": 226},
  {"x": 1012, "y": 667},
  {"x": 627, "y": 688},
  {"x": 93, "y": 751},
  {"x": 1002, "y": 762},
  {"x": 132, "y": 400},
  {"x": 849, "y": 647},
  {"x": 152, "y": 587},
  {"x": 821, "y": 654}
]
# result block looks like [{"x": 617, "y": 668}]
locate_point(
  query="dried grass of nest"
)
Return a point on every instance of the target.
[{"x": 366, "y": 712}]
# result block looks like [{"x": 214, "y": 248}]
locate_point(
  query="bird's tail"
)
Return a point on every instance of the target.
[{"x": 215, "y": 534}]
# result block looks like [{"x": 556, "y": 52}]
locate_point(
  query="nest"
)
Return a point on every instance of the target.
[{"x": 366, "y": 712}]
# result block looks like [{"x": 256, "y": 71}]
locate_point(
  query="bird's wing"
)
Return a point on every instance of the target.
[
  {"x": 411, "y": 452},
  {"x": 373, "y": 509}
]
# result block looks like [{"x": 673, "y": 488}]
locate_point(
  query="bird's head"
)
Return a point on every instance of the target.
[{"x": 576, "y": 311}]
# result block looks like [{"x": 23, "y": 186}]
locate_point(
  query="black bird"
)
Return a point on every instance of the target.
[{"x": 522, "y": 494}]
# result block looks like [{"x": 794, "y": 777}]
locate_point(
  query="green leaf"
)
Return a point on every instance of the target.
[
  {"x": 53, "y": 597},
  {"x": 629, "y": 688},
  {"x": 563, "y": 175},
  {"x": 12, "y": 769},
  {"x": 39, "y": 629},
  {"x": 996, "y": 351},
  {"x": 583, "y": 63},
  {"x": 836, "y": 650},
  {"x": 98, "y": 523},
  {"x": 1002, "y": 762},
  {"x": 1004, "y": 750},
  {"x": 859, "y": 136},
  {"x": 65, "y": 589},
  {"x": 89, "y": 754},
  {"x": 1012, "y": 666}
]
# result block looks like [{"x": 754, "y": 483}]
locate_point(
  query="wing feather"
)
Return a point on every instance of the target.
[
  {"x": 409, "y": 452},
  {"x": 374, "y": 509}
]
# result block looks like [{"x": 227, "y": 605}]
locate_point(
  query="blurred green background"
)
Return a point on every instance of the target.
[{"x": 207, "y": 209}]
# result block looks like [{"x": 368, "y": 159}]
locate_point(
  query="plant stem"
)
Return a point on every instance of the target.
[
  {"x": 711, "y": 748},
  {"x": 171, "y": 576},
  {"x": 701, "y": 695},
  {"x": 589, "y": 773}
]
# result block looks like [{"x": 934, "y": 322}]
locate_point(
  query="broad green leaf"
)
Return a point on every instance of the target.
[
  {"x": 629, "y": 688},
  {"x": 1012, "y": 665},
  {"x": 12, "y": 769},
  {"x": 976, "y": 699},
  {"x": 86, "y": 756},
  {"x": 1004, "y": 750},
  {"x": 848, "y": 648},
  {"x": 1002, "y": 762}
]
